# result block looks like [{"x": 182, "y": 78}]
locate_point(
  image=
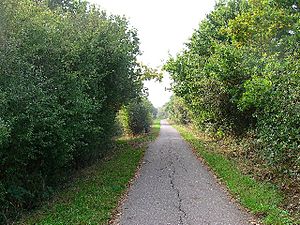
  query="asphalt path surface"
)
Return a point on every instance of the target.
[{"x": 174, "y": 187}]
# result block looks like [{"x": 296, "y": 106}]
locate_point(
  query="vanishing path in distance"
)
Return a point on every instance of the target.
[{"x": 175, "y": 188}]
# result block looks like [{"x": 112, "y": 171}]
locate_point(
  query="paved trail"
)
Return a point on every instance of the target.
[{"x": 175, "y": 188}]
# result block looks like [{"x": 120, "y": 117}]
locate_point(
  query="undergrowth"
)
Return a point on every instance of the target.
[
  {"x": 93, "y": 196},
  {"x": 261, "y": 198}
]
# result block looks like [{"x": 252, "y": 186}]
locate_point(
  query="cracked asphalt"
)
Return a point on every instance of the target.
[{"x": 175, "y": 188}]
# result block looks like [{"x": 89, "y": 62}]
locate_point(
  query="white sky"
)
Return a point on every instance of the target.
[{"x": 163, "y": 27}]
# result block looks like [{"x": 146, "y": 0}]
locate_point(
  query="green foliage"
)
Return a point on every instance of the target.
[
  {"x": 136, "y": 117},
  {"x": 93, "y": 196},
  {"x": 255, "y": 90},
  {"x": 240, "y": 73},
  {"x": 148, "y": 73},
  {"x": 278, "y": 128},
  {"x": 177, "y": 111},
  {"x": 65, "y": 71}
]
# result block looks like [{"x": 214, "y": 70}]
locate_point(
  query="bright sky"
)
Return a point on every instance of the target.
[{"x": 163, "y": 27}]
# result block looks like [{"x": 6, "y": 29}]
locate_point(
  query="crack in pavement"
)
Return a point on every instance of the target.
[
  {"x": 180, "y": 162},
  {"x": 182, "y": 213},
  {"x": 175, "y": 188}
]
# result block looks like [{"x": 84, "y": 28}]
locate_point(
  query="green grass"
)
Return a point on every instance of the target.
[
  {"x": 260, "y": 198},
  {"x": 95, "y": 193}
]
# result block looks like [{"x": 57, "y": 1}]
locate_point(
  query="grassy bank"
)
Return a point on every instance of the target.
[
  {"x": 262, "y": 199},
  {"x": 95, "y": 193}
]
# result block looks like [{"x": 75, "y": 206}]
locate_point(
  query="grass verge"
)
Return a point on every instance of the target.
[
  {"x": 260, "y": 198},
  {"x": 95, "y": 193}
]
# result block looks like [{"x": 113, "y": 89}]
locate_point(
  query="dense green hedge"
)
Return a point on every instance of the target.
[
  {"x": 136, "y": 117},
  {"x": 240, "y": 71},
  {"x": 176, "y": 110},
  {"x": 65, "y": 70}
]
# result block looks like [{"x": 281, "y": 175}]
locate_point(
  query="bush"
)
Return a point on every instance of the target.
[
  {"x": 177, "y": 111},
  {"x": 240, "y": 73},
  {"x": 65, "y": 71},
  {"x": 136, "y": 117},
  {"x": 277, "y": 103}
]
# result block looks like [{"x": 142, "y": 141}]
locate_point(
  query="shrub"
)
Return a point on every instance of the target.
[
  {"x": 65, "y": 71},
  {"x": 136, "y": 117},
  {"x": 240, "y": 73}
]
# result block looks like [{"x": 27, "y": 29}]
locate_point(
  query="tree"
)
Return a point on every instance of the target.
[
  {"x": 240, "y": 73},
  {"x": 64, "y": 75}
]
